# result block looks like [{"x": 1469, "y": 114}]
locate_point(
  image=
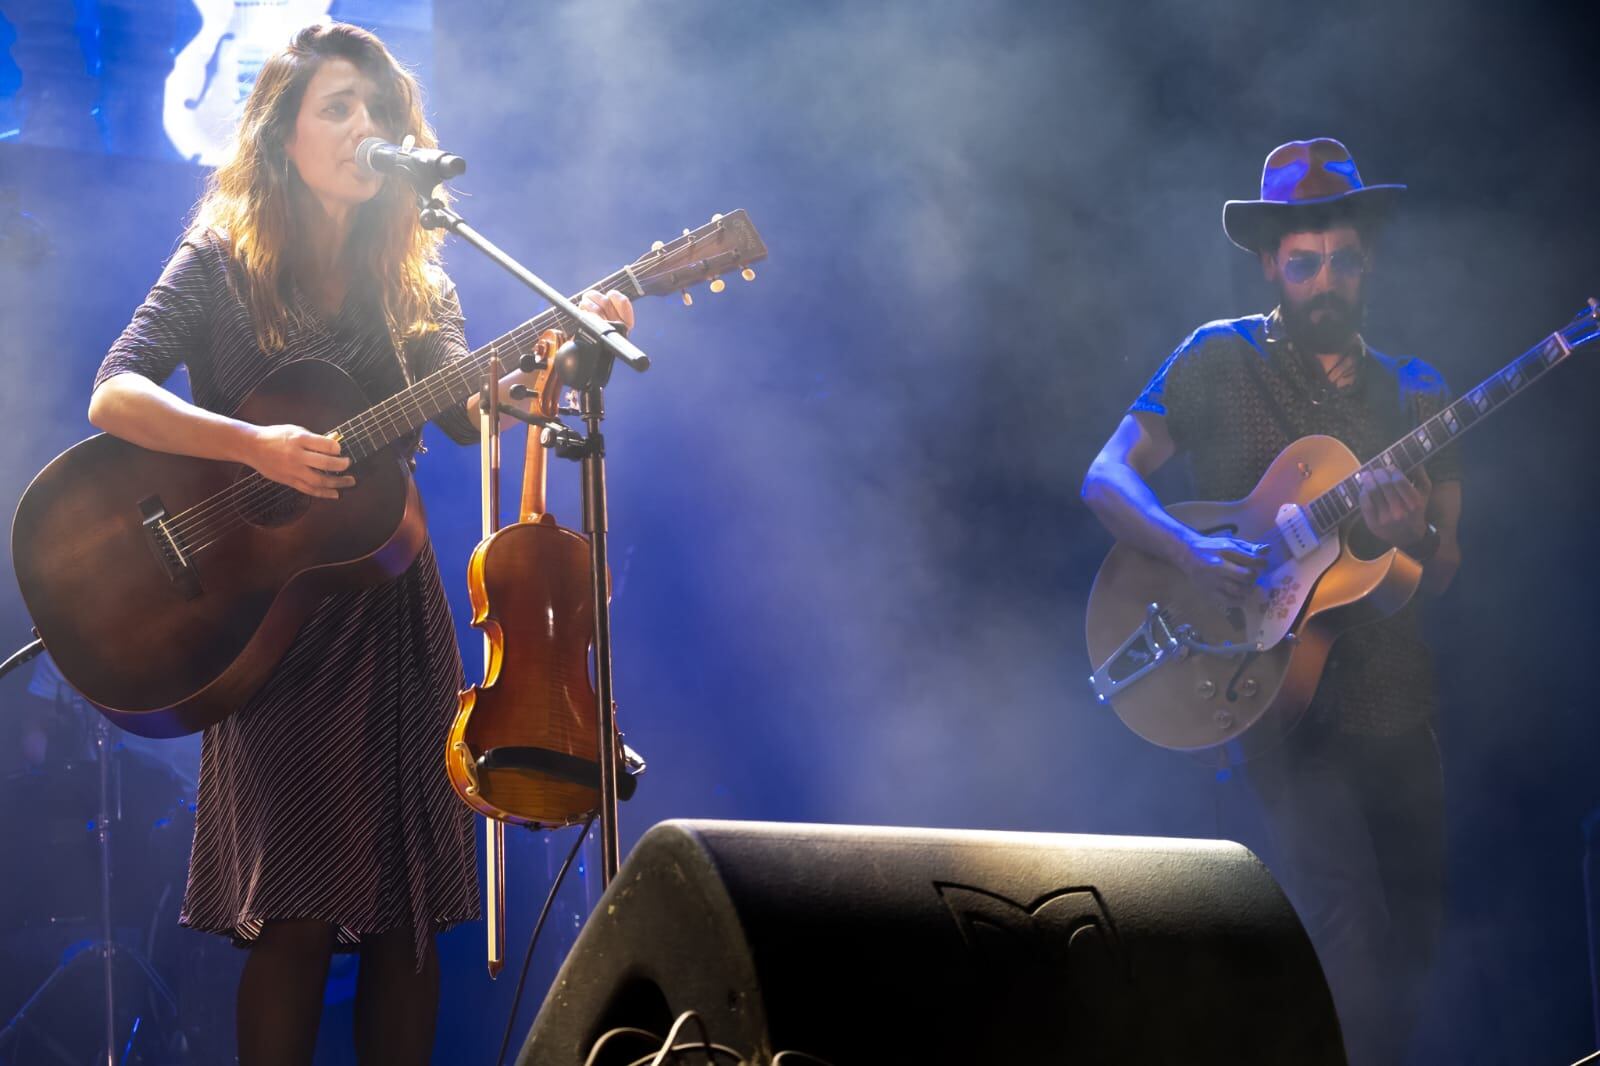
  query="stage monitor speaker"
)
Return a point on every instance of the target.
[{"x": 855, "y": 944}]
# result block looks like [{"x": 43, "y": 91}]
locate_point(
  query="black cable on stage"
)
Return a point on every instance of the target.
[
  {"x": 544, "y": 912},
  {"x": 622, "y": 1030},
  {"x": 674, "y": 1049}
]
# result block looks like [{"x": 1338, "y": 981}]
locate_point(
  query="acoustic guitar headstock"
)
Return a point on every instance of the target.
[{"x": 726, "y": 244}]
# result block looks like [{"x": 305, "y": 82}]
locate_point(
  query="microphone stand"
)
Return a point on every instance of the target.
[
  {"x": 584, "y": 363},
  {"x": 587, "y": 367}
]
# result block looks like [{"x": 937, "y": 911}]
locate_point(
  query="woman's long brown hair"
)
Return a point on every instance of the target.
[{"x": 250, "y": 198}]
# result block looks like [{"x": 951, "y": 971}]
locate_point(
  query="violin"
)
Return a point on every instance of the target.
[
  {"x": 522, "y": 748},
  {"x": 524, "y": 744}
]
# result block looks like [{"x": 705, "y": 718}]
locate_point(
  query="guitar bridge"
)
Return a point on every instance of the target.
[
  {"x": 168, "y": 548},
  {"x": 1148, "y": 646},
  {"x": 1142, "y": 652}
]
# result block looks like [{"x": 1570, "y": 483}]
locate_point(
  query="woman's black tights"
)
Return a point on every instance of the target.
[{"x": 281, "y": 992}]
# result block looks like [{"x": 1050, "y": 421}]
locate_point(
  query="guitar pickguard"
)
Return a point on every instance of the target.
[{"x": 1281, "y": 592}]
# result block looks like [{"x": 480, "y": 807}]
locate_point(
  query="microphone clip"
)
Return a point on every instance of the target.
[{"x": 425, "y": 168}]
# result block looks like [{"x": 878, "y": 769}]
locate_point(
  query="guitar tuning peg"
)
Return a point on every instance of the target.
[
  {"x": 717, "y": 285},
  {"x": 688, "y": 301},
  {"x": 717, "y": 217},
  {"x": 747, "y": 274},
  {"x": 656, "y": 246}
]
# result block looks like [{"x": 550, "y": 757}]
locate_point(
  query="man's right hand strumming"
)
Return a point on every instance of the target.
[{"x": 1223, "y": 568}]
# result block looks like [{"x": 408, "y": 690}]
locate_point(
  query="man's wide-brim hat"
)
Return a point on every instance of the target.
[{"x": 1306, "y": 183}]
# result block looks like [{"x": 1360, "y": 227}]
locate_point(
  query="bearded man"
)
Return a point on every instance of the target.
[{"x": 1353, "y": 799}]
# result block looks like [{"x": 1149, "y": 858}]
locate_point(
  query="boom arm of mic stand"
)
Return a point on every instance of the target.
[
  {"x": 590, "y": 327},
  {"x": 608, "y": 343}
]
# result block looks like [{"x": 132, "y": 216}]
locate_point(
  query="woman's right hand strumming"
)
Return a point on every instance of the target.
[
  {"x": 306, "y": 461},
  {"x": 136, "y": 409}
]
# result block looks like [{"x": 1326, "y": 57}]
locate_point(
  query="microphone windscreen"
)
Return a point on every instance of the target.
[{"x": 364, "y": 153}]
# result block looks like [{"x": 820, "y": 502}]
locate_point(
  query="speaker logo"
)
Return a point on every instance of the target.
[{"x": 1056, "y": 964}]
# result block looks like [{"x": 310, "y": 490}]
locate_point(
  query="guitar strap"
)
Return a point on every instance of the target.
[
  {"x": 401, "y": 354},
  {"x": 1275, "y": 410}
]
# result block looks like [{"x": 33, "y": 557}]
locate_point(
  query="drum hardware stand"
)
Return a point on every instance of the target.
[
  {"x": 22, "y": 654},
  {"x": 106, "y": 948}
]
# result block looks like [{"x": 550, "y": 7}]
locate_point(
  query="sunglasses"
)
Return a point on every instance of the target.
[{"x": 1346, "y": 263}]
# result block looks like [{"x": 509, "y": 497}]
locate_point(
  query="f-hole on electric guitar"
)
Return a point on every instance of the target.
[{"x": 1186, "y": 675}]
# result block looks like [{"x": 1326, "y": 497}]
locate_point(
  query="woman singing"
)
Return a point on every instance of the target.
[{"x": 325, "y": 818}]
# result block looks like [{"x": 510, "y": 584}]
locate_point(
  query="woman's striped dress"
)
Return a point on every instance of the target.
[{"x": 324, "y": 796}]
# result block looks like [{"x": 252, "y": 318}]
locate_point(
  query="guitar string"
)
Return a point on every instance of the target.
[
  {"x": 263, "y": 490},
  {"x": 254, "y": 488},
  {"x": 256, "y": 494},
  {"x": 1572, "y": 336},
  {"x": 277, "y": 491},
  {"x": 390, "y": 419},
  {"x": 389, "y": 416},
  {"x": 214, "y": 517},
  {"x": 265, "y": 494}
]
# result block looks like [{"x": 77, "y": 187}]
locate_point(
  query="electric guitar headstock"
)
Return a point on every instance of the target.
[{"x": 1585, "y": 325}]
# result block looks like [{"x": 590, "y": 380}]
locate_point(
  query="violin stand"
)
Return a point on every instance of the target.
[{"x": 584, "y": 363}]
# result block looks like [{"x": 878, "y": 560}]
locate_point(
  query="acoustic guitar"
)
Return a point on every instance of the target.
[
  {"x": 166, "y": 587},
  {"x": 1185, "y": 674}
]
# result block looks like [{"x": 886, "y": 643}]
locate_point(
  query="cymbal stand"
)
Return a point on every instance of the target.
[{"x": 106, "y": 949}]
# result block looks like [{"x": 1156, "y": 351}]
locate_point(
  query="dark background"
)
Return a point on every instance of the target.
[{"x": 850, "y": 560}]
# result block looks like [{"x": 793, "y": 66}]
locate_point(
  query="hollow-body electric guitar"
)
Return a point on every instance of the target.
[
  {"x": 167, "y": 587},
  {"x": 1184, "y": 674}
]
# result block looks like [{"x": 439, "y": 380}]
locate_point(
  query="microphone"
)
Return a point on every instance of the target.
[{"x": 426, "y": 167}]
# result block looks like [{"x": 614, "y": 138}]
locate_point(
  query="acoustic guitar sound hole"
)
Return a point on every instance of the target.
[{"x": 268, "y": 504}]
